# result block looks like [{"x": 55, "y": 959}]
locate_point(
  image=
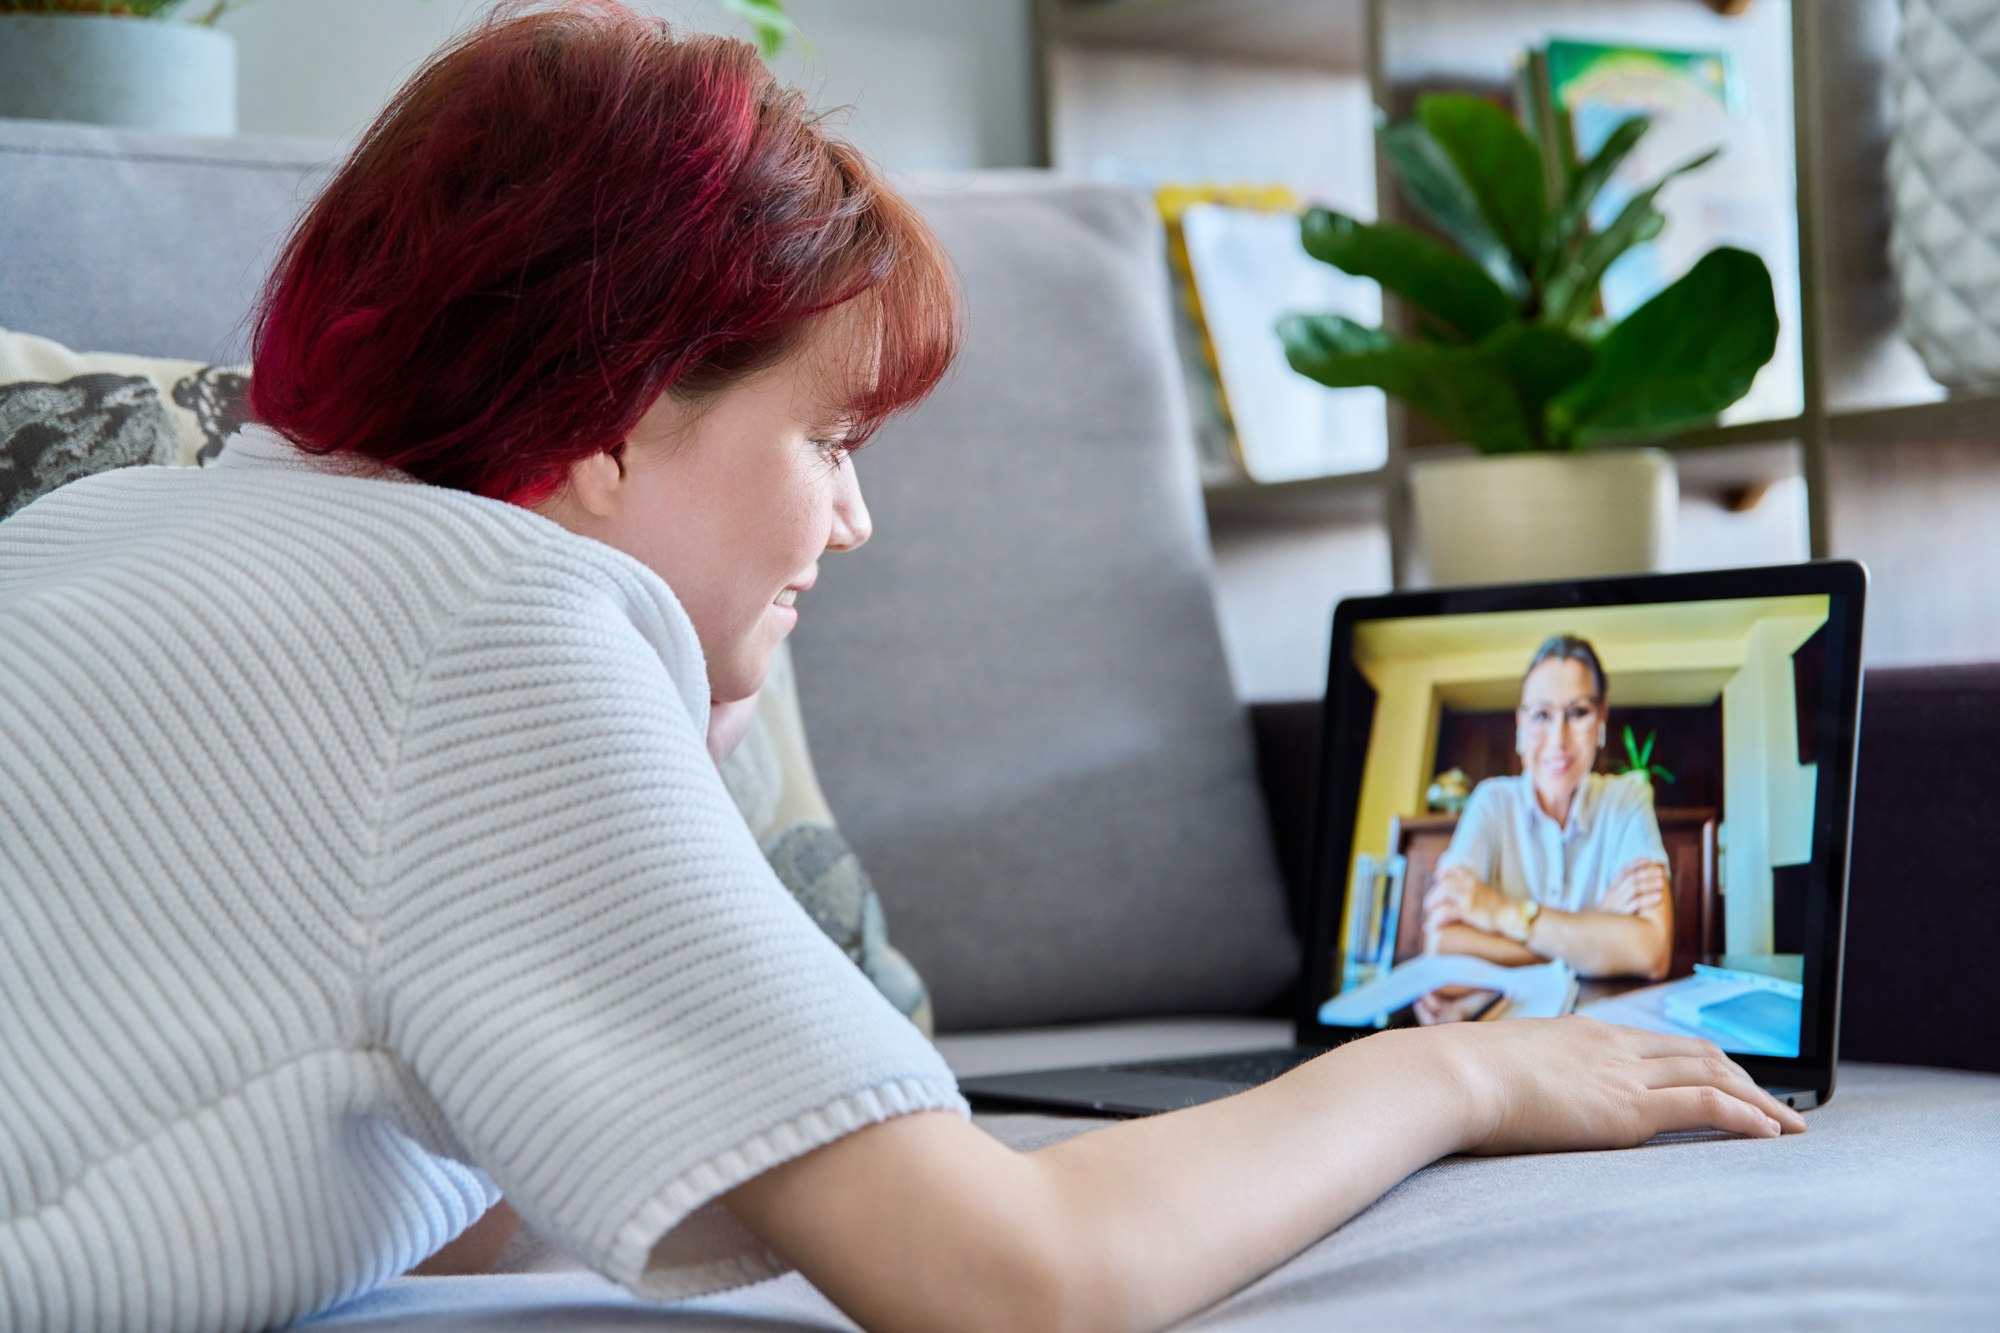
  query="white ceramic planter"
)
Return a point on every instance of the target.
[
  {"x": 138, "y": 73},
  {"x": 1520, "y": 517},
  {"x": 1944, "y": 175}
]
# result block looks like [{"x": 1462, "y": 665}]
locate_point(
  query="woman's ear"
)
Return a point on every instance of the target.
[{"x": 598, "y": 481}]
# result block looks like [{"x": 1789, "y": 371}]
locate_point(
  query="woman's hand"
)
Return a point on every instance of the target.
[
  {"x": 1551, "y": 1084},
  {"x": 727, "y": 724},
  {"x": 1459, "y": 895},
  {"x": 1638, "y": 889}
]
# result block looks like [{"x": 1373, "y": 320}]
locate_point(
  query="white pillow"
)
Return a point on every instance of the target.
[{"x": 65, "y": 414}]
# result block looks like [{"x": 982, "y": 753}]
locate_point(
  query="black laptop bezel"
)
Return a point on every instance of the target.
[{"x": 1342, "y": 752}]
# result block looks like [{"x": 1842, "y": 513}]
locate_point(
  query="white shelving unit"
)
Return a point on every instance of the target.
[{"x": 1284, "y": 91}]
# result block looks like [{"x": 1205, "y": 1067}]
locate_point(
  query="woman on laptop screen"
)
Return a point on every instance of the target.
[{"x": 1559, "y": 861}]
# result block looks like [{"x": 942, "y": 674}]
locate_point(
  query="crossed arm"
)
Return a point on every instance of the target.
[{"x": 1629, "y": 934}]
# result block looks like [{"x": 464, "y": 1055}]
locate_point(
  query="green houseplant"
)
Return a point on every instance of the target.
[
  {"x": 1511, "y": 354},
  {"x": 1638, "y": 761}
]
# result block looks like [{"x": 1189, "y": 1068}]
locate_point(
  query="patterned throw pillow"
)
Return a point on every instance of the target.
[
  {"x": 771, "y": 776},
  {"x": 65, "y": 415}
]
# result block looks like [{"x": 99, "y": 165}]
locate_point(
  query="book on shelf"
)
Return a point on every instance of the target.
[
  {"x": 1573, "y": 94},
  {"x": 1238, "y": 266}
]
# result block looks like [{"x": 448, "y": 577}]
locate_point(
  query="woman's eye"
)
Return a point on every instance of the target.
[{"x": 833, "y": 451}]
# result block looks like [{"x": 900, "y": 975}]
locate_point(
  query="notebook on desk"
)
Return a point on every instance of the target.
[{"x": 1747, "y": 683}]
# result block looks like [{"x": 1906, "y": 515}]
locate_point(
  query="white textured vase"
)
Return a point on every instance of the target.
[
  {"x": 1944, "y": 184},
  {"x": 1516, "y": 518},
  {"x": 138, "y": 73}
]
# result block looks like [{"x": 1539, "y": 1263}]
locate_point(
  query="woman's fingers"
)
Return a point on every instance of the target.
[
  {"x": 1669, "y": 1110},
  {"x": 1720, "y": 1072}
]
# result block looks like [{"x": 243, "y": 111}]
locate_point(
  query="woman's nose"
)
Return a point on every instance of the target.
[{"x": 852, "y": 524}]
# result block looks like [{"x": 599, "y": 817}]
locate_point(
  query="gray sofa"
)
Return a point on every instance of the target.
[{"x": 1019, "y": 707}]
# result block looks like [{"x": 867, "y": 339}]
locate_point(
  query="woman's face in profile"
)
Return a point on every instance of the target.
[
  {"x": 732, "y": 503},
  {"x": 1557, "y": 728}
]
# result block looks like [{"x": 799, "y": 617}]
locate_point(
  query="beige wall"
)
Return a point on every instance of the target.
[
  {"x": 935, "y": 86},
  {"x": 1767, "y": 795}
]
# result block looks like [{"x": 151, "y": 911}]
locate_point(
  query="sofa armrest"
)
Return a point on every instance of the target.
[{"x": 1922, "y": 984}]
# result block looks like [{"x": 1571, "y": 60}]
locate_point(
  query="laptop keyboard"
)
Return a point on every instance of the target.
[{"x": 1247, "y": 1067}]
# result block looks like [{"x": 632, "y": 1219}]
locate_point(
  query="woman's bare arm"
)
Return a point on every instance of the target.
[
  {"x": 1607, "y": 944},
  {"x": 1461, "y": 938},
  {"x": 1596, "y": 944},
  {"x": 1464, "y": 914},
  {"x": 927, "y": 1222}
]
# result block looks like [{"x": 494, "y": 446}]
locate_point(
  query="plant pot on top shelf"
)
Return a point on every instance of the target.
[
  {"x": 127, "y": 67},
  {"x": 1517, "y": 518},
  {"x": 1511, "y": 355}
]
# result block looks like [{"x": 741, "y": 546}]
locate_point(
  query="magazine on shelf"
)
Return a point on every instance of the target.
[
  {"x": 1248, "y": 269},
  {"x": 1576, "y": 93}
]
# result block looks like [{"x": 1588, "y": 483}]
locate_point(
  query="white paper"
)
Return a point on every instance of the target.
[{"x": 1537, "y": 991}]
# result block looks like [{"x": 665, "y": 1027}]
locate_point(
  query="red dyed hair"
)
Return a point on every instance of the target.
[{"x": 567, "y": 213}]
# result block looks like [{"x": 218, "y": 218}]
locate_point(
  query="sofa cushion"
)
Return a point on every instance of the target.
[
  {"x": 772, "y": 779},
  {"x": 149, "y": 243},
  {"x": 1018, "y": 692}
]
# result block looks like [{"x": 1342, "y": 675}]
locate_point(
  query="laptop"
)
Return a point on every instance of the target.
[{"x": 1722, "y": 748}]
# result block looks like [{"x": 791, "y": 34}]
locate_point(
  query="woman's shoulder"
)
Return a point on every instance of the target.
[
  {"x": 1500, "y": 791},
  {"x": 1618, "y": 796}
]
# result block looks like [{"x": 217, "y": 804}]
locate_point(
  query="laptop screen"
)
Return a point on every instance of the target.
[{"x": 1625, "y": 798}]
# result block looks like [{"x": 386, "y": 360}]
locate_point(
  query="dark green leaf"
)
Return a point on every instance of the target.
[
  {"x": 1590, "y": 178},
  {"x": 1493, "y": 396},
  {"x": 1572, "y": 287},
  {"x": 1571, "y": 293},
  {"x": 1434, "y": 278},
  {"x": 1684, "y": 355},
  {"x": 1441, "y": 194},
  {"x": 1497, "y": 161},
  {"x": 1541, "y": 363}
]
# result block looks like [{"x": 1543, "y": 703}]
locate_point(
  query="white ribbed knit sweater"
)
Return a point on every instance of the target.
[{"x": 359, "y": 851}]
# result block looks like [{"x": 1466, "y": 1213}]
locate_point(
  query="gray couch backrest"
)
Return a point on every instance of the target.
[{"x": 1016, "y": 692}]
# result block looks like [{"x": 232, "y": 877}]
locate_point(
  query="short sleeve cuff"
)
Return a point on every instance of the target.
[{"x": 683, "y": 1242}]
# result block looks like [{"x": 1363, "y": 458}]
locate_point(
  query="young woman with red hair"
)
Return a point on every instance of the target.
[{"x": 556, "y": 383}]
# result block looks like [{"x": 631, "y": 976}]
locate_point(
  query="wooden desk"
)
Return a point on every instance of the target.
[{"x": 1687, "y": 833}]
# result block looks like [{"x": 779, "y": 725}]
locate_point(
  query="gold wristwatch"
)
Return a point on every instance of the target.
[{"x": 1525, "y": 912}]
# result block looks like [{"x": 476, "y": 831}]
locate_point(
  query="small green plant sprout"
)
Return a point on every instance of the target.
[
  {"x": 767, "y": 19},
  {"x": 1639, "y": 758},
  {"x": 1510, "y": 351}
]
